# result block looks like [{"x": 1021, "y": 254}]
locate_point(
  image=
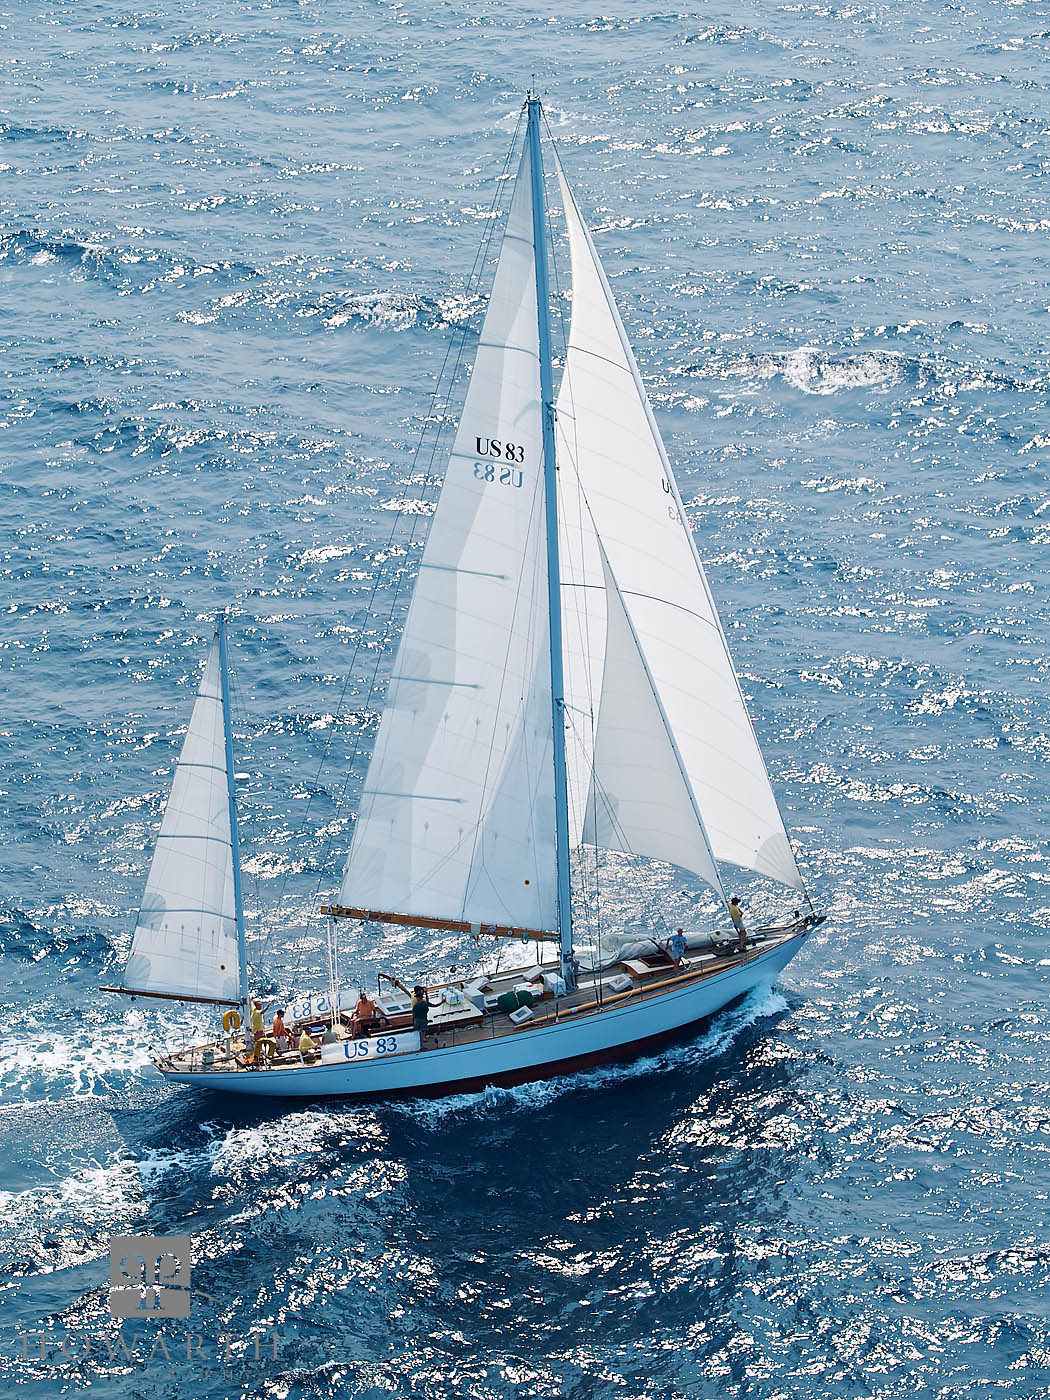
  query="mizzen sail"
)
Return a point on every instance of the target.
[{"x": 185, "y": 942}]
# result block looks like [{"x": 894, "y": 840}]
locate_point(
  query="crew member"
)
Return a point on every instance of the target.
[
  {"x": 420, "y": 1009},
  {"x": 366, "y": 1014},
  {"x": 256, "y": 1025},
  {"x": 737, "y": 915},
  {"x": 280, "y": 1031}
]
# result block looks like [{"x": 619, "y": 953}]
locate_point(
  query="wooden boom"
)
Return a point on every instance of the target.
[
  {"x": 380, "y": 916},
  {"x": 170, "y": 996}
]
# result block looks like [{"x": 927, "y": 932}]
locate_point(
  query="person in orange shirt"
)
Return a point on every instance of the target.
[
  {"x": 366, "y": 1014},
  {"x": 280, "y": 1030}
]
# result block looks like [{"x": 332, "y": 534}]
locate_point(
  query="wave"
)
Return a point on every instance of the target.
[
  {"x": 754, "y": 39},
  {"x": 16, "y": 131},
  {"x": 814, "y": 371},
  {"x": 271, "y": 294},
  {"x": 21, "y": 938},
  {"x": 67, "y": 1221},
  {"x": 93, "y": 1198},
  {"x": 128, "y": 268},
  {"x": 53, "y": 1062},
  {"x": 811, "y": 370},
  {"x": 398, "y": 311}
]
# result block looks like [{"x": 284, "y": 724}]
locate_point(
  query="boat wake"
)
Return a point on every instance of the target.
[
  {"x": 65, "y": 1055},
  {"x": 758, "y": 1005}
]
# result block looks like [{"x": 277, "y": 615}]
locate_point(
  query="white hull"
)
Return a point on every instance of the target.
[{"x": 559, "y": 1047}]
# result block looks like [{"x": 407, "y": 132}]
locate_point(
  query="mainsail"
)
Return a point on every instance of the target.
[
  {"x": 457, "y": 814},
  {"x": 617, "y": 483},
  {"x": 185, "y": 942}
]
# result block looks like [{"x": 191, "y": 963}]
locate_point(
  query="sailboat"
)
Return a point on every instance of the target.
[{"x": 562, "y": 686}]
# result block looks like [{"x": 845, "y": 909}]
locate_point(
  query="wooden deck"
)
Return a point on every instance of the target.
[{"x": 464, "y": 1023}]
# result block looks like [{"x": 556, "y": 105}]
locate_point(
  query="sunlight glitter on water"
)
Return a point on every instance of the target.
[{"x": 236, "y": 255}]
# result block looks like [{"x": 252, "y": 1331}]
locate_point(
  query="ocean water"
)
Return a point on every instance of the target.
[{"x": 237, "y": 260}]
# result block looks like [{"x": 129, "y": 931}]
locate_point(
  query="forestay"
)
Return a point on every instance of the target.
[
  {"x": 616, "y": 480},
  {"x": 185, "y": 941},
  {"x": 457, "y": 814}
]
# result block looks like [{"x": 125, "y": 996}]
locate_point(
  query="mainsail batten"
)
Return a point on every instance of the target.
[
  {"x": 633, "y": 505},
  {"x": 457, "y": 814},
  {"x": 186, "y": 942}
]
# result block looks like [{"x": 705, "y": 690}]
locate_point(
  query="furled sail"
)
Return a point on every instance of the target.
[
  {"x": 457, "y": 814},
  {"x": 185, "y": 941},
  {"x": 616, "y": 481}
]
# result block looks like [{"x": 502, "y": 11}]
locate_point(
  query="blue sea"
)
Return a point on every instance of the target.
[{"x": 239, "y": 257}]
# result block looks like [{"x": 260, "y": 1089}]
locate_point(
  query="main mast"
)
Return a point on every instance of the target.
[
  {"x": 227, "y": 731},
  {"x": 550, "y": 483}
]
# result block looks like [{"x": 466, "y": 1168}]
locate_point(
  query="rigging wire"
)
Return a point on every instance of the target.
[
  {"x": 565, "y": 331},
  {"x": 582, "y": 614}
]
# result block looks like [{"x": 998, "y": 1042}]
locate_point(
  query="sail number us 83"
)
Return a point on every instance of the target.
[{"x": 501, "y": 468}]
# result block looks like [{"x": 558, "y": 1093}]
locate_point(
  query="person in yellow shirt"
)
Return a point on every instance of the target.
[
  {"x": 737, "y": 915},
  {"x": 256, "y": 1024},
  {"x": 307, "y": 1045}
]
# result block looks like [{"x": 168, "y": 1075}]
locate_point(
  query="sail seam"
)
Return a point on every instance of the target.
[
  {"x": 650, "y": 597},
  {"x": 215, "y": 913},
  {"x": 413, "y": 796},
  {"x": 452, "y": 568},
  {"x": 616, "y": 364},
  {"x": 435, "y": 680},
  {"x": 191, "y": 836},
  {"x": 503, "y": 349}
]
